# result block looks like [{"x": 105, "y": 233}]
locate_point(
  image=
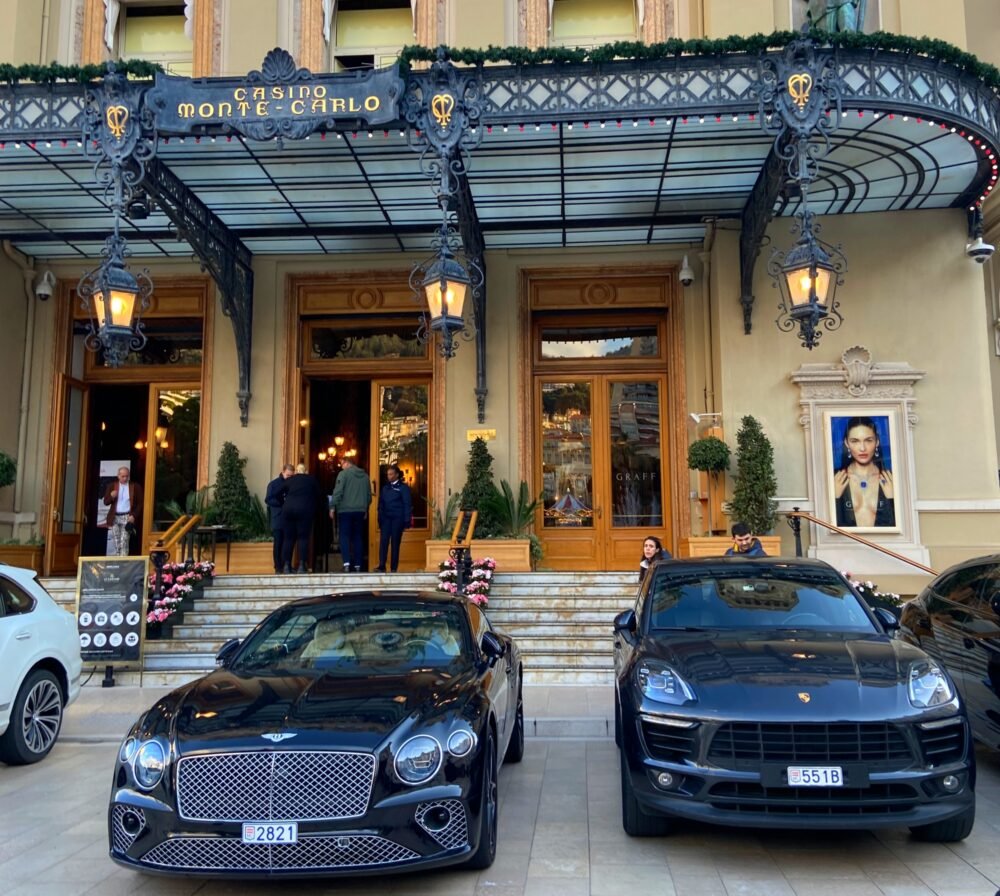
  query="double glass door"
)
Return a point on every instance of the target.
[{"x": 601, "y": 453}]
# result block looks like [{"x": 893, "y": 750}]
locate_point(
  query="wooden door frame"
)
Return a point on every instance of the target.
[{"x": 607, "y": 289}]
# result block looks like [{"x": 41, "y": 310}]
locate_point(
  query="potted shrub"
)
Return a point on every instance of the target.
[
  {"x": 514, "y": 516},
  {"x": 755, "y": 484},
  {"x": 13, "y": 551},
  {"x": 235, "y": 508}
]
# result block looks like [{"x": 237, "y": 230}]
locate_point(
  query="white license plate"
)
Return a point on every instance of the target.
[
  {"x": 815, "y": 776},
  {"x": 270, "y": 832}
]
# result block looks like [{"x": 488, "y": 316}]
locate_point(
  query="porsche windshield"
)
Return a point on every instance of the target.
[
  {"x": 358, "y": 639},
  {"x": 770, "y": 600}
]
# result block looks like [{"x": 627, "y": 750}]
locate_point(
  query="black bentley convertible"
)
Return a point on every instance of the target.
[
  {"x": 348, "y": 734},
  {"x": 766, "y": 693}
]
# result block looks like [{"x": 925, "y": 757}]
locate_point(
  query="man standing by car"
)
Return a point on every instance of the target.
[
  {"x": 352, "y": 495},
  {"x": 124, "y": 501},
  {"x": 395, "y": 510},
  {"x": 274, "y": 498}
]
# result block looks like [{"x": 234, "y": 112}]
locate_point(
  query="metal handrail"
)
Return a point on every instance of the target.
[
  {"x": 795, "y": 517},
  {"x": 176, "y": 533}
]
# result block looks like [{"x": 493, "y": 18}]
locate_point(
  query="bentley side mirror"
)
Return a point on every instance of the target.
[
  {"x": 227, "y": 651},
  {"x": 995, "y": 604},
  {"x": 492, "y": 647}
]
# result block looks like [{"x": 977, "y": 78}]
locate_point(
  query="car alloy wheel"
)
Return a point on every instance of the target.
[
  {"x": 515, "y": 749},
  {"x": 35, "y": 721},
  {"x": 487, "y": 850}
]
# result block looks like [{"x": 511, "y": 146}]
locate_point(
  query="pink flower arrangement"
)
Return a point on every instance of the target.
[
  {"x": 179, "y": 580},
  {"x": 477, "y": 589}
]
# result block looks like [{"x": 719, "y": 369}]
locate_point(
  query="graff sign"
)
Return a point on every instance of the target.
[{"x": 279, "y": 100}]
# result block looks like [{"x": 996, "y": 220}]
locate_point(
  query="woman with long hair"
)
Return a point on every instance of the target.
[
  {"x": 862, "y": 484},
  {"x": 652, "y": 550}
]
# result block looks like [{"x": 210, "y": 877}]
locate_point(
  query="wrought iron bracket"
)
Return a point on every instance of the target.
[{"x": 221, "y": 253}]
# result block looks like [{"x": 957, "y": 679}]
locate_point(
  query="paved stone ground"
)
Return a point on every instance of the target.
[{"x": 560, "y": 829}]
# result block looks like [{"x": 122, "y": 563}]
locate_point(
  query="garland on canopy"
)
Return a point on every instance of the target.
[
  {"x": 49, "y": 74},
  {"x": 940, "y": 50}
]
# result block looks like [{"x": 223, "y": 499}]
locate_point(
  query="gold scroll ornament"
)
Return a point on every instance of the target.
[
  {"x": 441, "y": 108},
  {"x": 117, "y": 119},
  {"x": 799, "y": 88}
]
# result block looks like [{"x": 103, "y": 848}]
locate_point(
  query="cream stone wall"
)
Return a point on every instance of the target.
[
  {"x": 910, "y": 295},
  {"x": 982, "y": 28},
  {"x": 725, "y": 17},
  {"x": 472, "y": 23},
  {"x": 12, "y": 340}
]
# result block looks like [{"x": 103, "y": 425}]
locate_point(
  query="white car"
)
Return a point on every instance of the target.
[{"x": 40, "y": 659}]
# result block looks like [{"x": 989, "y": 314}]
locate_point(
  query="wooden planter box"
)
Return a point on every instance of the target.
[
  {"x": 28, "y": 556},
  {"x": 717, "y": 545},
  {"x": 245, "y": 558},
  {"x": 511, "y": 554}
]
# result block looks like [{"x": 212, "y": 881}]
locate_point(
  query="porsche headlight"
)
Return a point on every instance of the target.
[
  {"x": 418, "y": 759},
  {"x": 928, "y": 686},
  {"x": 659, "y": 682},
  {"x": 148, "y": 765}
]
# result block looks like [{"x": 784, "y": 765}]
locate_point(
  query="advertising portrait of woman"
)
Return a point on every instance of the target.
[{"x": 863, "y": 489}]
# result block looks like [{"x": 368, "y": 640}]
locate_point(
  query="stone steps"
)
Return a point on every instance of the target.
[{"x": 561, "y": 621}]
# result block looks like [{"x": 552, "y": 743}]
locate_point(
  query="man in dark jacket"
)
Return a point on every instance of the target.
[
  {"x": 395, "y": 510},
  {"x": 745, "y": 544},
  {"x": 274, "y": 498},
  {"x": 302, "y": 498}
]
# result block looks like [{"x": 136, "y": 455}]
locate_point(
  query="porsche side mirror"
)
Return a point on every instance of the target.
[
  {"x": 227, "y": 651},
  {"x": 625, "y": 622},
  {"x": 888, "y": 619},
  {"x": 492, "y": 647}
]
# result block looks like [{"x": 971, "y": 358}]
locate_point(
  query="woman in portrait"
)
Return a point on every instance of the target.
[{"x": 862, "y": 484}]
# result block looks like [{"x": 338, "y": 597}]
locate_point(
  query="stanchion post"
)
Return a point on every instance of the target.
[{"x": 795, "y": 523}]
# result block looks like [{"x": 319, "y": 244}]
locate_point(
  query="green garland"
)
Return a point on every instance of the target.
[
  {"x": 49, "y": 74},
  {"x": 939, "y": 50}
]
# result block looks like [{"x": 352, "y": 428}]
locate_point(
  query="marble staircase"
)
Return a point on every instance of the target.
[{"x": 561, "y": 620}]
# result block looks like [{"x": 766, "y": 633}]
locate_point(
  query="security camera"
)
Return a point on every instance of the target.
[
  {"x": 979, "y": 251},
  {"x": 686, "y": 275},
  {"x": 695, "y": 418},
  {"x": 45, "y": 286}
]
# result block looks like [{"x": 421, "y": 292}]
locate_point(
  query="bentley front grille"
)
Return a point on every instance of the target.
[
  {"x": 231, "y": 854},
  {"x": 273, "y": 785}
]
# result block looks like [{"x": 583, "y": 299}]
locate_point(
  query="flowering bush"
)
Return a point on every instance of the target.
[
  {"x": 875, "y": 598},
  {"x": 477, "y": 589},
  {"x": 178, "y": 580}
]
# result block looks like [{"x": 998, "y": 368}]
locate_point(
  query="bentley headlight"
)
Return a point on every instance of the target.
[
  {"x": 659, "y": 682},
  {"x": 150, "y": 760},
  {"x": 418, "y": 759},
  {"x": 461, "y": 742},
  {"x": 127, "y": 750},
  {"x": 928, "y": 685}
]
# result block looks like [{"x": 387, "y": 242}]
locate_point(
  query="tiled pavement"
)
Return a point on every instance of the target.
[{"x": 560, "y": 829}]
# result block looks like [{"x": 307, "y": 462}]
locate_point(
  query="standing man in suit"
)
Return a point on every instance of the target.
[
  {"x": 274, "y": 498},
  {"x": 395, "y": 510},
  {"x": 124, "y": 501}
]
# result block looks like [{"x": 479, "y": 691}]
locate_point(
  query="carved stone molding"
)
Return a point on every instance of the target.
[{"x": 857, "y": 376}]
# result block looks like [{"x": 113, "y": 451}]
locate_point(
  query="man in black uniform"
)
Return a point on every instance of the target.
[
  {"x": 274, "y": 498},
  {"x": 395, "y": 510}
]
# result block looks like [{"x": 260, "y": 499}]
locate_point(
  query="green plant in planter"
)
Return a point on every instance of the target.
[
  {"x": 8, "y": 470},
  {"x": 755, "y": 483},
  {"x": 709, "y": 455},
  {"x": 514, "y": 514},
  {"x": 478, "y": 487},
  {"x": 232, "y": 497},
  {"x": 443, "y": 521}
]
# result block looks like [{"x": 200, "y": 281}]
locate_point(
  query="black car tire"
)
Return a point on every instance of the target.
[
  {"x": 486, "y": 852},
  {"x": 635, "y": 821},
  {"x": 951, "y": 830},
  {"x": 35, "y": 720},
  {"x": 618, "y": 721},
  {"x": 515, "y": 749}
]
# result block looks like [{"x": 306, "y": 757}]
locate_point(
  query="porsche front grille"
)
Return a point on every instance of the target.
[
  {"x": 274, "y": 785},
  {"x": 231, "y": 854}
]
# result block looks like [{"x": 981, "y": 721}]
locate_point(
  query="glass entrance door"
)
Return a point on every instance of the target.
[
  {"x": 602, "y": 468},
  {"x": 401, "y": 437}
]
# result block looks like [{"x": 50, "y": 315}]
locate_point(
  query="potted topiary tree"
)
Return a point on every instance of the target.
[
  {"x": 235, "y": 508},
  {"x": 709, "y": 455},
  {"x": 755, "y": 484}
]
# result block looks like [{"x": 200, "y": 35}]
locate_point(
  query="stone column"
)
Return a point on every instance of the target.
[
  {"x": 203, "y": 55},
  {"x": 533, "y": 23},
  {"x": 93, "y": 51},
  {"x": 428, "y": 20},
  {"x": 311, "y": 44},
  {"x": 659, "y": 23}
]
